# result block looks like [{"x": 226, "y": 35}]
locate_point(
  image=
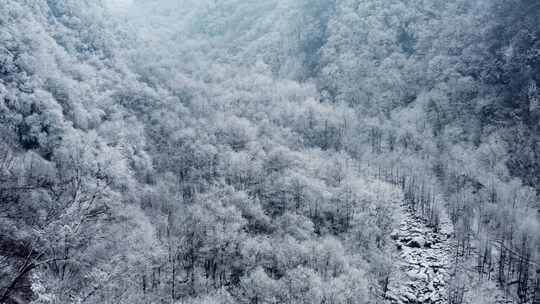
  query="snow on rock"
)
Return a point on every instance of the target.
[
  {"x": 423, "y": 257},
  {"x": 416, "y": 242},
  {"x": 409, "y": 297}
]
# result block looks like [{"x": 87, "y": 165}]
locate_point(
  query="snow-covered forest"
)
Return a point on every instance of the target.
[{"x": 269, "y": 151}]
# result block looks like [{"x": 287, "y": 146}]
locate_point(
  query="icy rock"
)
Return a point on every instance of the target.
[
  {"x": 434, "y": 297},
  {"x": 408, "y": 297},
  {"x": 419, "y": 276},
  {"x": 416, "y": 242},
  {"x": 429, "y": 298},
  {"x": 405, "y": 239}
]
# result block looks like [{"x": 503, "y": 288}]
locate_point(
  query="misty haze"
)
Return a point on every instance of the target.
[{"x": 269, "y": 152}]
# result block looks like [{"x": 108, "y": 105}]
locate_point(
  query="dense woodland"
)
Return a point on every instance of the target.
[{"x": 256, "y": 151}]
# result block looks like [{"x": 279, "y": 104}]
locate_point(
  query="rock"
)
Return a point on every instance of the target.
[
  {"x": 408, "y": 297},
  {"x": 405, "y": 239},
  {"x": 434, "y": 297},
  {"x": 417, "y": 276},
  {"x": 416, "y": 242},
  {"x": 429, "y": 298}
]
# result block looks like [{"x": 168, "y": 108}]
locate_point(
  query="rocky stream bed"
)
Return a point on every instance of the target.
[{"x": 423, "y": 259}]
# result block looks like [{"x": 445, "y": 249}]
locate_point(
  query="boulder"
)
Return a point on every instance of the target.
[
  {"x": 417, "y": 276},
  {"x": 405, "y": 239},
  {"x": 416, "y": 242},
  {"x": 394, "y": 236},
  {"x": 408, "y": 297}
]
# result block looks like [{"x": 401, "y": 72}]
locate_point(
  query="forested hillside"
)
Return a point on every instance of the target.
[{"x": 267, "y": 151}]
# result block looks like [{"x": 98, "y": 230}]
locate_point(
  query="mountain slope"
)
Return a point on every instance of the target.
[{"x": 258, "y": 151}]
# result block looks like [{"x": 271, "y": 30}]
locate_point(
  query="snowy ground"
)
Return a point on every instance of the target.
[{"x": 423, "y": 258}]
